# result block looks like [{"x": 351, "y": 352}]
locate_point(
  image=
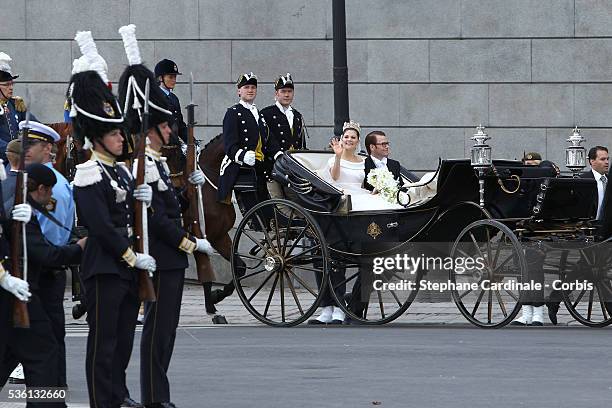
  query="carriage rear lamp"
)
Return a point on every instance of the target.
[
  {"x": 575, "y": 155},
  {"x": 480, "y": 152}
]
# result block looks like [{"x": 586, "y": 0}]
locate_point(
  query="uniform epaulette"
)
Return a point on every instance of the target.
[
  {"x": 20, "y": 105},
  {"x": 151, "y": 174},
  {"x": 87, "y": 173},
  {"x": 2, "y": 170},
  {"x": 125, "y": 168}
]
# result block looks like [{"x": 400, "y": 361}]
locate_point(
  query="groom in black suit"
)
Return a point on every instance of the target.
[{"x": 377, "y": 145}]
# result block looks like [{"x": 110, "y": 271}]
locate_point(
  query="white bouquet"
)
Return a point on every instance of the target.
[{"x": 384, "y": 183}]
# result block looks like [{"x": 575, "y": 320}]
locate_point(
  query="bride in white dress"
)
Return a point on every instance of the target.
[{"x": 346, "y": 171}]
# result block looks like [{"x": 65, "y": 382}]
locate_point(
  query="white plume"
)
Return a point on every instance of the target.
[
  {"x": 80, "y": 65},
  {"x": 4, "y": 62},
  {"x": 128, "y": 34},
  {"x": 90, "y": 52}
]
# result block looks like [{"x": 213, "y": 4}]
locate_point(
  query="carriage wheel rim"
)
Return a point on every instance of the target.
[{"x": 281, "y": 270}]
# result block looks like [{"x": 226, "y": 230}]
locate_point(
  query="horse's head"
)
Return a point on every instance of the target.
[{"x": 62, "y": 151}]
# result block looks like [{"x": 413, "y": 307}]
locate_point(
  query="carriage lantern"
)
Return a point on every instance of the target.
[
  {"x": 575, "y": 153},
  {"x": 481, "y": 158}
]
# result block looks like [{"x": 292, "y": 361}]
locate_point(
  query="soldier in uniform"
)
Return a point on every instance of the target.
[
  {"x": 12, "y": 108},
  {"x": 169, "y": 243},
  {"x": 165, "y": 73},
  {"x": 36, "y": 347},
  {"x": 286, "y": 129},
  {"x": 244, "y": 134},
  {"x": 104, "y": 193}
]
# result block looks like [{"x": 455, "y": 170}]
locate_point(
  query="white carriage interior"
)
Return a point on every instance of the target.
[{"x": 419, "y": 192}]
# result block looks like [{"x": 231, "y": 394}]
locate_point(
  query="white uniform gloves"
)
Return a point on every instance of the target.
[
  {"x": 22, "y": 213},
  {"x": 197, "y": 177},
  {"x": 202, "y": 245},
  {"x": 16, "y": 286},
  {"x": 144, "y": 193},
  {"x": 249, "y": 158},
  {"x": 145, "y": 262}
]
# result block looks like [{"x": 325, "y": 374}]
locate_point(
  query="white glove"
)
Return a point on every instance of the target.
[
  {"x": 197, "y": 177},
  {"x": 145, "y": 262},
  {"x": 22, "y": 213},
  {"x": 144, "y": 193},
  {"x": 249, "y": 158},
  {"x": 202, "y": 245},
  {"x": 16, "y": 286}
]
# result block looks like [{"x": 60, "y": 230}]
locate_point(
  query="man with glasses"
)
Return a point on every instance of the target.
[
  {"x": 377, "y": 145},
  {"x": 12, "y": 108}
]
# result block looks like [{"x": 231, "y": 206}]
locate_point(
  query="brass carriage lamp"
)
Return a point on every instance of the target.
[
  {"x": 575, "y": 155},
  {"x": 480, "y": 158}
]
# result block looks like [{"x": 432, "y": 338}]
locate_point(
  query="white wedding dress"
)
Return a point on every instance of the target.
[{"x": 351, "y": 182}]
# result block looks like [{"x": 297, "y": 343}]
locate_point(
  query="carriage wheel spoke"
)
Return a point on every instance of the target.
[
  {"x": 265, "y": 231},
  {"x": 345, "y": 280},
  {"x": 464, "y": 294},
  {"x": 294, "y": 294},
  {"x": 249, "y": 256},
  {"x": 579, "y": 298},
  {"x": 501, "y": 303},
  {"x": 601, "y": 303},
  {"x": 490, "y": 307},
  {"x": 287, "y": 229},
  {"x": 590, "y": 308},
  {"x": 260, "y": 287},
  {"x": 300, "y": 236},
  {"x": 380, "y": 304},
  {"x": 256, "y": 242},
  {"x": 270, "y": 296},
  {"x": 392, "y": 292},
  {"x": 496, "y": 257},
  {"x": 477, "y": 246},
  {"x": 301, "y": 282},
  {"x": 303, "y": 252},
  {"x": 477, "y": 302},
  {"x": 251, "y": 274},
  {"x": 515, "y": 297},
  {"x": 503, "y": 263},
  {"x": 489, "y": 254},
  {"x": 277, "y": 227},
  {"x": 282, "y": 294}
]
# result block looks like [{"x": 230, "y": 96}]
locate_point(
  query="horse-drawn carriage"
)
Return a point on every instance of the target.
[{"x": 286, "y": 252}]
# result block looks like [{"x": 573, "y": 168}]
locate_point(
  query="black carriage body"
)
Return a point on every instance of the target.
[{"x": 530, "y": 193}]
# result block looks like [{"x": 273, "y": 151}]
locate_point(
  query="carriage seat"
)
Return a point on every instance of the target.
[{"x": 316, "y": 162}]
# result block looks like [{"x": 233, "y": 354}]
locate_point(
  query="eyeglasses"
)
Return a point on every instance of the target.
[
  {"x": 9, "y": 83},
  {"x": 383, "y": 144}
]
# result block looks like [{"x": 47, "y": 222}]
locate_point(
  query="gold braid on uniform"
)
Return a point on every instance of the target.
[{"x": 20, "y": 105}]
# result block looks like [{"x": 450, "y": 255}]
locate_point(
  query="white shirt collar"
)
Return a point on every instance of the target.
[
  {"x": 596, "y": 174},
  {"x": 249, "y": 106},
  {"x": 282, "y": 108},
  {"x": 379, "y": 163},
  {"x": 166, "y": 91}
]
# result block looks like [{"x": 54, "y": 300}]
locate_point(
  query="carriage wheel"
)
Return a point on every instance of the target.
[
  {"x": 488, "y": 294},
  {"x": 587, "y": 286},
  {"x": 374, "y": 299},
  {"x": 278, "y": 250}
]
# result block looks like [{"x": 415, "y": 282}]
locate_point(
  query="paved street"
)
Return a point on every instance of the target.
[
  {"x": 397, "y": 366},
  {"x": 430, "y": 357}
]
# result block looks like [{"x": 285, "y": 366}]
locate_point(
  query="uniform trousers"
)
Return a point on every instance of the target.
[
  {"x": 112, "y": 311},
  {"x": 158, "y": 335},
  {"x": 36, "y": 349},
  {"x": 52, "y": 284}
]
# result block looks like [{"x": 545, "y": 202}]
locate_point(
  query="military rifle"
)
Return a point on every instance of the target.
[
  {"x": 19, "y": 249},
  {"x": 194, "y": 216},
  {"x": 146, "y": 292}
]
